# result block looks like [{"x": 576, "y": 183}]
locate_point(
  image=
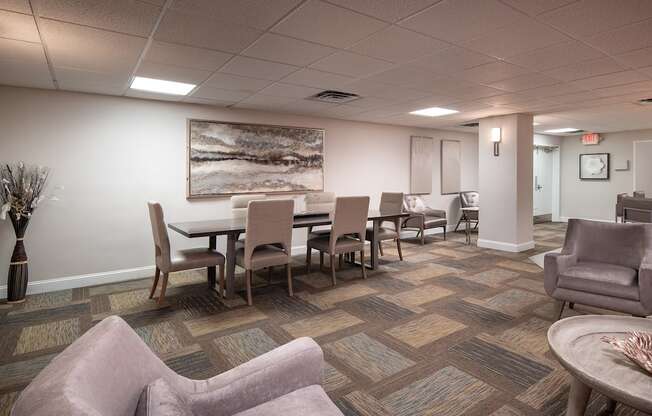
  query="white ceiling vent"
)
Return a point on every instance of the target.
[{"x": 337, "y": 97}]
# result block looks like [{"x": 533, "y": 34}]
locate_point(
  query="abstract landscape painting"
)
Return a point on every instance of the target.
[{"x": 233, "y": 158}]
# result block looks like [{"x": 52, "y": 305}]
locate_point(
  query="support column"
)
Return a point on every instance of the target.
[{"x": 505, "y": 183}]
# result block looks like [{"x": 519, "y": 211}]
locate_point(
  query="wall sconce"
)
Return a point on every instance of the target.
[{"x": 496, "y": 137}]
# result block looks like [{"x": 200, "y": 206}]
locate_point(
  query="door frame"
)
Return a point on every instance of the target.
[{"x": 556, "y": 181}]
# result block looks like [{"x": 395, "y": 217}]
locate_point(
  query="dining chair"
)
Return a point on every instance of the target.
[
  {"x": 319, "y": 202},
  {"x": 239, "y": 203},
  {"x": 389, "y": 230},
  {"x": 269, "y": 239},
  {"x": 347, "y": 234},
  {"x": 193, "y": 258}
]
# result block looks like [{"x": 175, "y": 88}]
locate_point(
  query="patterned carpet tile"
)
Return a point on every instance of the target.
[
  {"x": 421, "y": 295},
  {"x": 520, "y": 266},
  {"x": 242, "y": 346},
  {"x": 426, "y": 272},
  {"x": 495, "y": 277},
  {"x": 226, "y": 320},
  {"x": 360, "y": 403},
  {"x": 161, "y": 338},
  {"x": 374, "y": 307},
  {"x": 48, "y": 335},
  {"x": 423, "y": 331},
  {"x": 529, "y": 336},
  {"x": 191, "y": 362},
  {"x": 327, "y": 299},
  {"x": 322, "y": 324},
  {"x": 511, "y": 302},
  {"x": 333, "y": 379}
]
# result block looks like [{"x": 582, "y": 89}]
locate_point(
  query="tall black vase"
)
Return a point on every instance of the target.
[{"x": 18, "y": 277}]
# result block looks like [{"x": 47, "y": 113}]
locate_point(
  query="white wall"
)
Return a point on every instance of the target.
[
  {"x": 113, "y": 154},
  {"x": 597, "y": 199}
]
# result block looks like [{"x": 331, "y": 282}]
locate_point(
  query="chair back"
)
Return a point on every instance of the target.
[
  {"x": 611, "y": 243},
  {"x": 391, "y": 202},
  {"x": 639, "y": 194},
  {"x": 414, "y": 203},
  {"x": 619, "y": 204},
  {"x": 350, "y": 217},
  {"x": 239, "y": 203},
  {"x": 469, "y": 199},
  {"x": 320, "y": 201},
  {"x": 160, "y": 234},
  {"x": 637, "y": 209},
  {"x": 269, "y": 222}
]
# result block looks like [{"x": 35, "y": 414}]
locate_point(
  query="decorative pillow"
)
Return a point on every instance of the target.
[{"x": 160, "y": 399}]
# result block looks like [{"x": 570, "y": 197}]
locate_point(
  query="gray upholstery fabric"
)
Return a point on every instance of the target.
[
  {"x": 605, "y": 265},
  {"x": 104, "y": 372},
  {"x": 308, "y": 401},
  {"x": 423, "y": 216},
  {"x": 469, "y": 199},
  {"x": 160, "y": 399}
]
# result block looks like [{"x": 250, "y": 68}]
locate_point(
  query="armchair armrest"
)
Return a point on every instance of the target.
[
  {"x": 283, "y": 370},
  {"x": 553, "y": 265},
  {"x": 415, "y": 220},
  {"x": 645, "y": 283},
  {"x": 434, "y": 213}
]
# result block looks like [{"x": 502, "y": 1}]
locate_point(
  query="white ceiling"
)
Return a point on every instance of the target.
[{"x": 573, "y": 63}]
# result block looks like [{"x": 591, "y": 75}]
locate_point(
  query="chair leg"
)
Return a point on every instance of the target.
[
  {"x": 309, "y": 259},
  {"x": 222, "y": 288},
  {"x": 352, "y": 257},
  {"x": 380, "y": 247},
  {"x": 476, "y": 225},
  {"x": 340, "y": 261},
  {"x": 423, "y": 236},
  {"x": 164, "y": 286},
  {"x": 458, "y": 223},
  {"x": 248, "y": 276},
  {"x": 444, "y": 227},
  {"x": 562, "y": 303},
  {"x": 157, "y": 273},
  {"x": 333, "y": 269},
  {"x": 321, "y": 260},
  {"x": 288, "y": 271},
  {"x": 398, "y": 247},
  {"x": 364, "y": 269}
]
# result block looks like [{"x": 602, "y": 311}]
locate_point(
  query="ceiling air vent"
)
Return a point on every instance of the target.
[
  {"x": 473, "y": 124},
  {"x": 338, "y": 97},
  {"x": 645, "y": 101}
]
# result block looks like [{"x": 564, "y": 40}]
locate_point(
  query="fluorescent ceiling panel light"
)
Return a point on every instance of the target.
[
  {"x": 564, "y": 130},
  {"x": 161, "y": 86},
  {"x": 434, "y": 112}
]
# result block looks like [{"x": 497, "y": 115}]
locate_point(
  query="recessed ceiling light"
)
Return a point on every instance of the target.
[
  {"x": 564, "y": 130},
  {"x": 434, "y": 112},
  {"x": 161, "y": 86}
]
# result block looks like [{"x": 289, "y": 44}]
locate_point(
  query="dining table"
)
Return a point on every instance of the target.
[{"x": 234, "y": 226}]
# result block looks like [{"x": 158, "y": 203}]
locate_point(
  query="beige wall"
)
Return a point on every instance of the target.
[
  {"x": 597, "y": 199},
  {"x": 113, "y": 154}
]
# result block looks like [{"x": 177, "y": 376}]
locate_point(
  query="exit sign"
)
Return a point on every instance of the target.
[{"x": 590, "y": 138}]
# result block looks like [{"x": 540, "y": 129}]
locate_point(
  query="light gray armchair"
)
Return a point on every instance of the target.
[
  {"x": 110, "y": 371},
  {"x": 422, "y": 216},
  {"x": 604, "y": 265}
]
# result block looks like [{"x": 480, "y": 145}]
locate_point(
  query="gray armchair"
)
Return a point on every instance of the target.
[
  {"x": 604, "y": 265},
  {"x": 469, "y": 199},
  {"x": 422, "y": 216},
  {"x": 107, "y": 369}
]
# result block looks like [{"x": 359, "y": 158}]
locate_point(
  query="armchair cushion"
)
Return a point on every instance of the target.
[
  {"x": 160, "y": 399},
  {"x": 195, "y": 258},
  {"x": 601, "y": 278},
  {"x": 311, "y": 400}
]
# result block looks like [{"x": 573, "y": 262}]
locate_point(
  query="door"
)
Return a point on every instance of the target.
[{"x": 542, "y": 180}]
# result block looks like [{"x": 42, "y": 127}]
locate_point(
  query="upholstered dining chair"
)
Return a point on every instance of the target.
[
  {"x": 347, "y": 234},
  {"x": 239, "y": 203},
  {"x": 269, "y": 239},
  {"x": 166, "y": 263},
  {"x": 389, "y": 230},
  {"x": 319, "y": 202},
  {"x": 422, "y": 217},
  {"x": 619, "y": 206},
  {"x": 469, "y": 199}
]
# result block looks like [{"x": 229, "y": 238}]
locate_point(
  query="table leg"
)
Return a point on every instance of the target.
[
  {"x": 374, "y": 245},
  {"x": 211, "y": 272},
  {"x": 578, "y": 398},
  {"x": 230, "y": 264}
]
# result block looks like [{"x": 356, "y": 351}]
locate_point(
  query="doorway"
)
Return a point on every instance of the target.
[{"x": 545, "y": 183}]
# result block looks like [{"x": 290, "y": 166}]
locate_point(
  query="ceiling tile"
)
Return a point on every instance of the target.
[
  {"x": 25, "y": 74},
  {"x": 213, "y": 93},
  {"x": 236, "y": 83},
  {"x": 204, "y": 32},
  {"x": 610, "y": 80},
  {"x": 279, "y": 48},
  {"x": 306, "y": 107},
  {"x": 457, "y": 20},
  {"x": 391, "y": 93},
  {"x": 406, "y": 76},
  {"x": 91, "y": 49},
  {"x": 452, "y": 60},
  {"x": 522, "y": 36},
  {"x": 508, "y": 99},
  {"x": 588, "y": 17},
  {"x": 524, "y": 82},
  {"x": 206, "y": 101},
  {"x": 555, "y": 56},
  {"x": 327, "y": 24},
  {"x": 585, "y": 69},
  {"x": 125, "y": 16},
  {"x": 351, "y": 64},
  {"x": 577, "y": 97},
  {"x": 256, "y": 68},
  {"x": 18, "y": 50},
  {"x": 368, "y": 103},
  {"x": 342, "y": 110},
  {"x": 317, "y": 79},
  {"x": 636, "y": 59},
  {"x": 647, "y": 70},
  {"x": 172, "y": 73},
  {"x": 280, "y": 89},
  {"x": 552, "y": 90},
  {"x": 85, "y": 81},
  {"x": 260, "y": 14},
  {"x": 535, "y": 7},
  {"x": 268, "y": 102},
  {"x": 151, "y": 95},
  {"x": 624, "y": 39},
  {"x": 18, "y": 26},
  {"x": 20, "y": 6},
  {"x": 396, "y": 44},
  {"x": 186, "y": 56},
  {"x": 388, "y": 10},
  {"x": 492, "y": 72}
]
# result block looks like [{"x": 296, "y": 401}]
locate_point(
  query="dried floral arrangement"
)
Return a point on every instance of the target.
[
  {"x": 637, "y": 346},
  {"x": 21, "y": 190}
]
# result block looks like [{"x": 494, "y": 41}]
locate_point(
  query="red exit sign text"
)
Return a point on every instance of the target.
[{"x": 591, "y": 138}]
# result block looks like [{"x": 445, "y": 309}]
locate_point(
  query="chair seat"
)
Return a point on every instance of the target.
[
  {"x": 432, "y": 222},
  {"x": 311, "y": 400},
  {"x": 343, "y": 244},
  {"x": 195, "y": 258},
  {"x": 601, "y": 278},
  {"x": 319, "y": 233},
  {"x": 384, "y": 233},
  {"x": 263, "y": 256}
]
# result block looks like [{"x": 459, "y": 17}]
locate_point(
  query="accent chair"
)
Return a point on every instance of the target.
[
  {"x": 110, "y": 371},
  {"x": 194, "y": 258},
  {"x": 389, "y": 230},
  {"x": 469, "y": 199},
  {"x": 602, "y": 264},
  {"x": 637, "y": 209},
  {"x": 422, "y": 217}
]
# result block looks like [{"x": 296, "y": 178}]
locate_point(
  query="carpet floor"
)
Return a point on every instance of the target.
[{"x": 451, "y": 330}]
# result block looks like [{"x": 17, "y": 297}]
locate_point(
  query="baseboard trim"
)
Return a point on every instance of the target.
[{"x": 502, "y": 246}]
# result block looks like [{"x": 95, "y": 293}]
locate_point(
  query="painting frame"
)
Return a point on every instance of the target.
[
  {"x": 190, "y": 194},
  {"x": 604, "y": 157}
]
